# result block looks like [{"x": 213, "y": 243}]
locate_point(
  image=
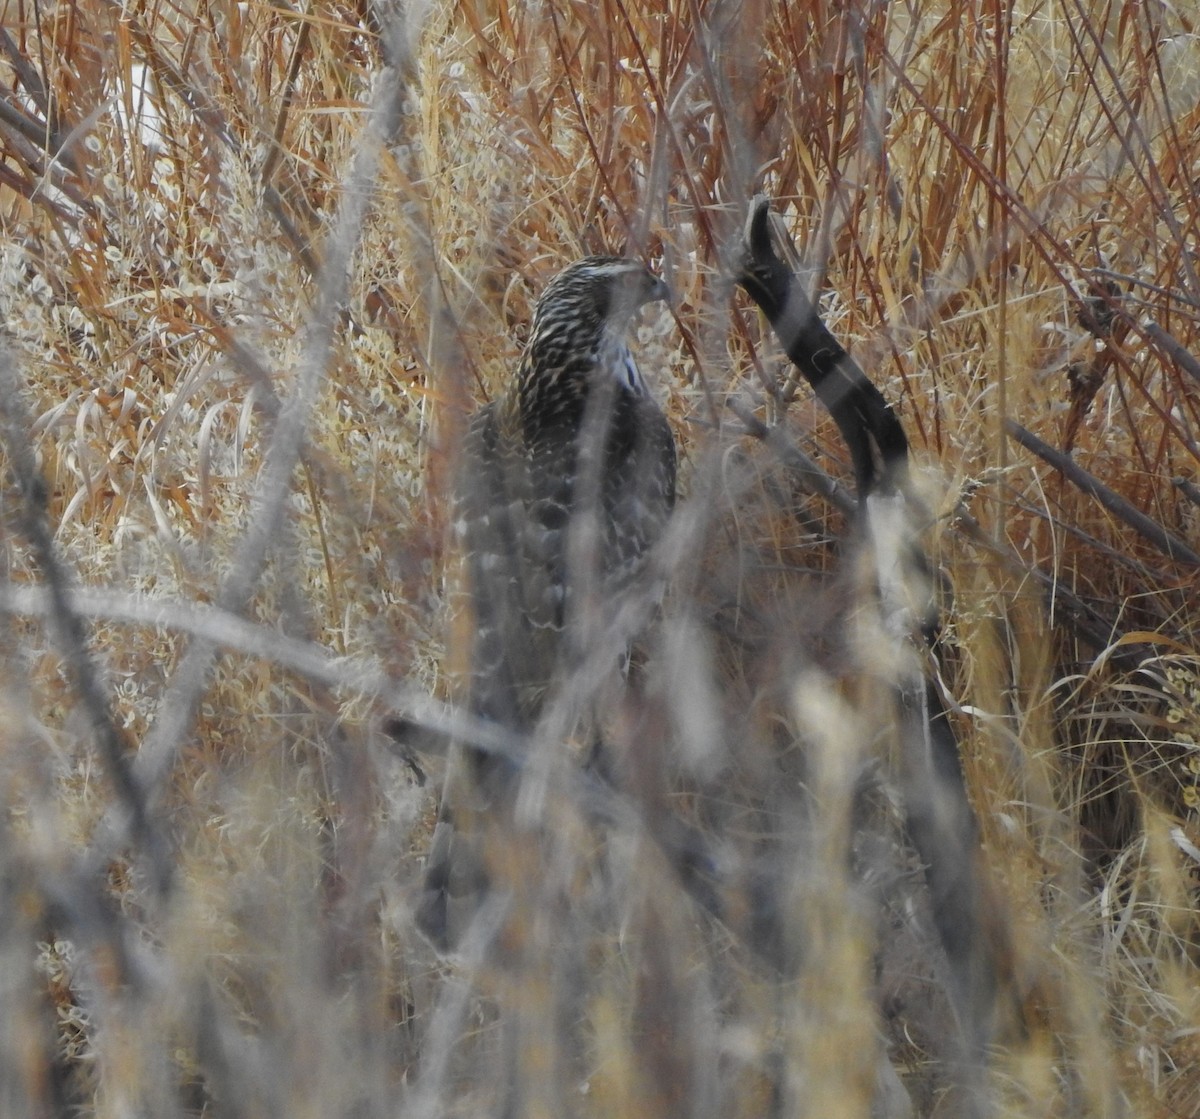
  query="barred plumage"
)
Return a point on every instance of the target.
[
  {"x": 568, "y": 478},
  {"x": 527, "y": 469}
]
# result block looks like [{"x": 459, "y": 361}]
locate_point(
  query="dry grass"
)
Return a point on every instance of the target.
[{"x": 254, "y": 279}]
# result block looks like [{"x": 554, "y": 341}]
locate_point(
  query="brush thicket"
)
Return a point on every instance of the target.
[{"x": 258, "y": 265}]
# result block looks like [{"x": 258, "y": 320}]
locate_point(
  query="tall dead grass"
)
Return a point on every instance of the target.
[{"x": 258, "y": 264}]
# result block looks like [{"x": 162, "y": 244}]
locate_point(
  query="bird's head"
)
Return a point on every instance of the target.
[
  {"x": 610, "y": 287},
  {"x": 594, "y": 297},
  {"x": 580, "y": 323}
]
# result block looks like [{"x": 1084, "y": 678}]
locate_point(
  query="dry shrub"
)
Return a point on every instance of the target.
[{"x": 258, "y": 265}]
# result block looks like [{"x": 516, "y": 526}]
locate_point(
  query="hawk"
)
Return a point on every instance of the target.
[{"x": 567, "y": 479}]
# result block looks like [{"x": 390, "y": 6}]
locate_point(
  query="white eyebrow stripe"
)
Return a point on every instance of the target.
[{"x": 615, "y": 268}]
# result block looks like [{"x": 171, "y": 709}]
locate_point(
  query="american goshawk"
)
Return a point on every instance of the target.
[{"x": 566, "y": 480}]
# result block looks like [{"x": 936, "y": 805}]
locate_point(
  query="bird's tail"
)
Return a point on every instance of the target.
[{"x": 457, "y": 880}]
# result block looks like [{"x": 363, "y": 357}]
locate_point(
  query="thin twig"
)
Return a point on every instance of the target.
[
  {"x": 1146, "y": 527},
  {"x": 1173, "y": 348}
]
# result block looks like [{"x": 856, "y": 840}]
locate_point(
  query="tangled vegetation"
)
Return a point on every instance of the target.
[{"x": 260, "y": 262}]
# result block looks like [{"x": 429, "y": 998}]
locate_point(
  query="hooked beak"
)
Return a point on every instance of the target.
[{"x": 657, "y": 290}]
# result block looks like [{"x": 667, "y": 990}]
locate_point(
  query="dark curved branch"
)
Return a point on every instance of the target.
[
  {"x": 938, "y": 814},
  {"x": 878, "y": 446}
]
